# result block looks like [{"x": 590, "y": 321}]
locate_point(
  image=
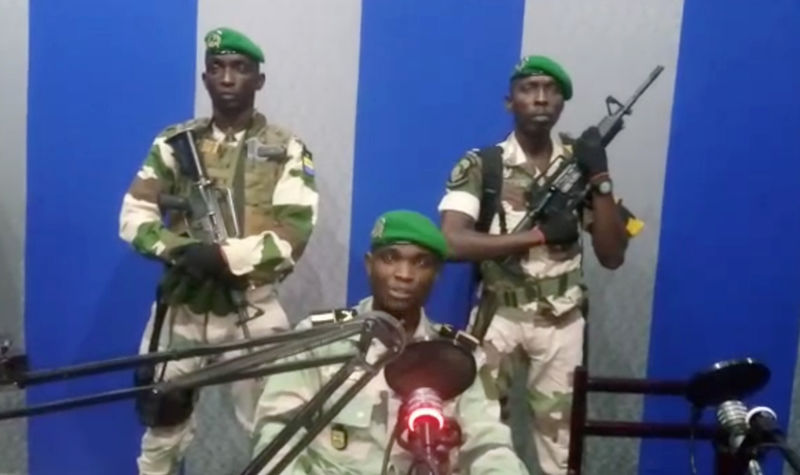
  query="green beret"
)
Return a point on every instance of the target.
[
  {"x": 542, "y": 65},
  {"x": 401, "y": 226},
  {"x": 228, "y": 41}
]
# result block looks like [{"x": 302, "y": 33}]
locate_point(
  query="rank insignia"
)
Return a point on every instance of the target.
[
  {"x": 377, "y": 230},
  {"x": 214, "y": 40}
]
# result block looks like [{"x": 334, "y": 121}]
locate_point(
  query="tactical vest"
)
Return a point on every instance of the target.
[
  {"x": 251, "y": 168},
  {"x": 512, "y": 287}
]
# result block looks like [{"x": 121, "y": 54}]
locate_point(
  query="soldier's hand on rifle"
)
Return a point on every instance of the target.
[
  {"x": 590, "y": 153},
  {"x": 559, "y": 229},
  {"x": 201, "y": 260}
]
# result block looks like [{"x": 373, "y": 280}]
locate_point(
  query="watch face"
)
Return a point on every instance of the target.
[{"x": 604, "y": 187}]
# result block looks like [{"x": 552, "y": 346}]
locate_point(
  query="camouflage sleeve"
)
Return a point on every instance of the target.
[
  {"x": 140, "y": 220},
  {"x": 294, "y": 210},
  {"x": 283, "y": 394},
  {"x": 487, "y": 448},
  {"x": 464, "y": 187}
]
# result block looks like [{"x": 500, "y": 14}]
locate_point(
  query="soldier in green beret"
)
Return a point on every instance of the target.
[
  {"x": 538, "y": 309},
  {"x": 270, "y": 174},
  {"x": 406, "y": 253}
]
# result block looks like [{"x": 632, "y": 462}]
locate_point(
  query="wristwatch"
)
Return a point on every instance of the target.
[{"x": 603, "y": 187}]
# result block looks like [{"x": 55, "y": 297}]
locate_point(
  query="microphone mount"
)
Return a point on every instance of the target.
[
  {"x": 369, "y": 327},
  {"x": 724, "y": 386}
]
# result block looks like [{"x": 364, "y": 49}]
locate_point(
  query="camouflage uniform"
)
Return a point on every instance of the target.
[
  {"x": 277, "y": 216},
  {"x": 369, "y": 418},
  {"x": 540, "y": 311}
]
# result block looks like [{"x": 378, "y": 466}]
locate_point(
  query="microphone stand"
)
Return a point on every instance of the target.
[
  {"x": 430, "y": 448},
  {"x": 13, "y": 369},
  {"x": 370, "y": 326},
  {"x": 312, "y": 415},
  {"x": 724, "y": 385}
]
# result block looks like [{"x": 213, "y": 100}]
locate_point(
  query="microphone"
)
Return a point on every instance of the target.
[
  {"x": 732, "y": 416},
  {"x": 724, "y": 385},
  {"x": 430, "y": 434},
  {"x": 763, "y": 420},
  {"x": 425, "y": 413},
  {"x": 427, "y": 373}
]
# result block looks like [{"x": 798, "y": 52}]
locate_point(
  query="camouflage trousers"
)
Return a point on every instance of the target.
[
  {"x": 163, "y": 447},
  {"x": 554, "y": 347}
]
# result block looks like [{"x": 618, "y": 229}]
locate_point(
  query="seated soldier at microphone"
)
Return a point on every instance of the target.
[{"x": 406, "y": 255}]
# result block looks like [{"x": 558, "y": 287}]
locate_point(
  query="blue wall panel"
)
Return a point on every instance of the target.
[
  {"x": 729, "y": 263},
  {"x": 105, "y": 77},
  {"x": 432, "y": 78}
]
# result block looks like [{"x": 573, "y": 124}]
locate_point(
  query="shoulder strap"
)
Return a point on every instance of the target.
[
  {"x": 201, "y": 123},
  {"x": 492, "y": 180},
  {"x": 158, "y": 320}
]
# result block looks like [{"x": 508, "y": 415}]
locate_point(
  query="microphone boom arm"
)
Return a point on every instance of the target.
[
  {"x": 243, "y": 367},
  {"x": 121, "y": 394},
  {"x": 394, "y": 340},
  {"x": 305, "y": 417},
  {"x": 25, "y": 377}
]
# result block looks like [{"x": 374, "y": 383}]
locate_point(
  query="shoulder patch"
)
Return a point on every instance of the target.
[
  {"x": 308, "y": 162},
  {"x": 460, "y": 173}
]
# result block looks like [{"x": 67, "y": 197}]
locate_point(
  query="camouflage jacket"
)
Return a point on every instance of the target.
[{"x": 279, "y": 195}]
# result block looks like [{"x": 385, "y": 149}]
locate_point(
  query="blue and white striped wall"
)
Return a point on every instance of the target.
[{"x": 388, "y": 94}]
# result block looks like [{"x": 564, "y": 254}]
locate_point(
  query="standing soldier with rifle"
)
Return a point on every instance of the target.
[
  {"x": 240, "y": 202},
  {"x": 517, "y": 209}
]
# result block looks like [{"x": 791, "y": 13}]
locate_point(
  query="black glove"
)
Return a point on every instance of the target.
[
  {"x": 591, "y": 154},
  {"x": 200, "y": 260},
  {"x": 204, "y": 295},
  {"x": 560, "y": 228}
]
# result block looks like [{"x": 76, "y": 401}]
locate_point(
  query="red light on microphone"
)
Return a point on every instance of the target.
[
  {"x": 424, "y": 407},
  {"x": 425, "y": 414}
]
